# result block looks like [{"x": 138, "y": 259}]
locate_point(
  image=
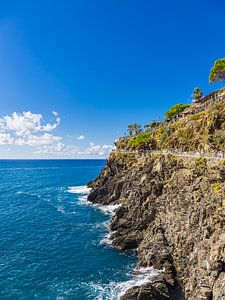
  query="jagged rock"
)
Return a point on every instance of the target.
[
  {"x": 157, "y": 290},
  {"x": 173, "y": 213}
]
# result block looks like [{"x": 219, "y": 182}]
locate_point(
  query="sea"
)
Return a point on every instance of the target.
[{"x": 53, "y": 243}]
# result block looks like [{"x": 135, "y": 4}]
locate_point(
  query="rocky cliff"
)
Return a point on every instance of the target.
[{"x": 172, "y": 210}]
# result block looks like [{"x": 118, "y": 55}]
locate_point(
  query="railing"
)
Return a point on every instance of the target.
[{"x": 145, "y": 153}]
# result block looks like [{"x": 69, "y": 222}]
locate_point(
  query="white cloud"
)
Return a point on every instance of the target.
[
  {"x": 29, "y": 129},
  {"x": 107, "y": 147},
  {"x": 80, "y": 137},
  {"x": 71, "y": 150},
  {"x": 38, "y": 140},
  {"x": 26, "y": 123},
  {"x": 97, "y": 150},
  {"x": 21, "y": 124},
  {"x": 54, "y": 149}
]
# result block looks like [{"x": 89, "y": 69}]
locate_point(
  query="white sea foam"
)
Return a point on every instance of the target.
[
  {"x": 106, "y": 240},
  {"x": 107, "y": 209},
  {"x": 114, "y": 290},
  {"x": 83, "y": 200},
  {"x": 82, "y": 189},
  {"x": 83, "y": 192},
  {"x": 27, "y": 193}
]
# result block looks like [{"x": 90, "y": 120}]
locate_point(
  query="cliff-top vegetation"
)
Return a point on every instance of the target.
[{"x": 196, "y": 127}]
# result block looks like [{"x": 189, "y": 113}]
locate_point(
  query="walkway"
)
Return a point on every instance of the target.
[{"x": 145, "y": 153}]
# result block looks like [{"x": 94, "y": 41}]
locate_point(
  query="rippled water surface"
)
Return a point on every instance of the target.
[{"x": 51, "y": 240}]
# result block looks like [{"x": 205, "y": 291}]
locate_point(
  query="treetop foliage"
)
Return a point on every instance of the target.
[
  {"x": 198, "y": 93},
  {"x": 175, "y": 110},
  {"x": 217, "y": 73}
]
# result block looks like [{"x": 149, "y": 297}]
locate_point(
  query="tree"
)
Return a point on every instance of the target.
[
  {"x": 130, "y": 129},
  {"x": 217, "y": 73},
  {"x": 175, "y": 110},
  {"x": 143, "y": 141},
  {"x": 151, "y": 125},
  {"x": 197, "y": 94},
  {"x": 137, "y": 128}
]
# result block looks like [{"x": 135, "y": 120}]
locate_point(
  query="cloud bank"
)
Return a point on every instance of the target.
[
  {"x": 27, "y": 129},
  {"x": 30, "y": 129}
]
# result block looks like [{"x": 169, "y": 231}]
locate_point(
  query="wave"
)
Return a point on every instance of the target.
[
  {"x": 28, "y": 193},
  {"x": 83, "y": 192},
  {"x": 106, "y": 239},
  {"x": 82, "y": 189},
  {"x": 83, "y": 200},
  {"x": 107, "y": 209},
  {"x": 114, "y": 290}
]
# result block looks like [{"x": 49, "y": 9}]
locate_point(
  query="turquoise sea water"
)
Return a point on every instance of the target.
[{"x": 52, "y": 242}]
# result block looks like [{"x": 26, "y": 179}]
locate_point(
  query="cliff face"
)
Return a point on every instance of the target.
[{"x": 173, "y": 211}]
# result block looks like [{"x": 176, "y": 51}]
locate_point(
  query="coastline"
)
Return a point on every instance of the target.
[{"x": 160, "y": 216}]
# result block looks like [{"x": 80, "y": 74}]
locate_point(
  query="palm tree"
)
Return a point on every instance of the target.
[
  {"x": 130, "y": 129},
  {"x": 151, "y": 125},
  {"x": 197, "y": 94},
  {"x": 137, "y": 128}
]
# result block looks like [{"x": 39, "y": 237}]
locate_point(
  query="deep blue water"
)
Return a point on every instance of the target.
[{"x": 50, "y": 242}]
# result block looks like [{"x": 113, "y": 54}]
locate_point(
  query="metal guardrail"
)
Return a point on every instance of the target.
[{"x": 145, "y": 153}]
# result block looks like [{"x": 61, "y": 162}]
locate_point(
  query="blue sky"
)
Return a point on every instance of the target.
[{"x": 100, "y": 65}]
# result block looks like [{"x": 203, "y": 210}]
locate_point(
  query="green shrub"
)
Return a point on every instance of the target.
[
  {"x": 196, "y": 117},
  {"x": 144, "y": 140},
  {"x": 201, "y": 164},
  {"x": 216, "y": 141},
  {"x": 175, "y": 110}
]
